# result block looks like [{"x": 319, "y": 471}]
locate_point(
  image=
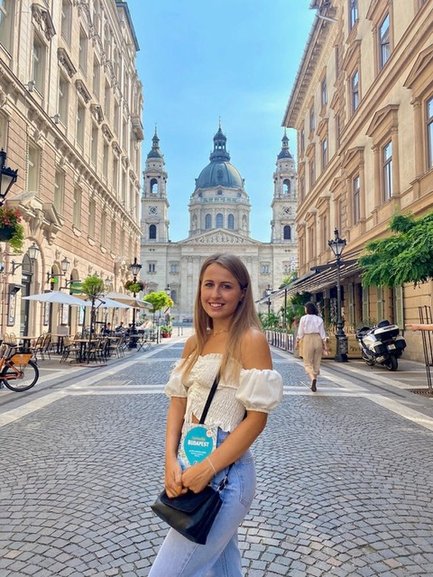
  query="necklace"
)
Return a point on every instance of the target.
[{"x": 219, "y": 332}]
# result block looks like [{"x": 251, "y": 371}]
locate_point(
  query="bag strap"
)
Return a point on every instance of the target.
[
  {"x": 209, "y": 399},
  {"x": 211, "y": 395}
]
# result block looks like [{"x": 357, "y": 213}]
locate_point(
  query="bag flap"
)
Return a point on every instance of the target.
[{"x": 189, "y": 501}]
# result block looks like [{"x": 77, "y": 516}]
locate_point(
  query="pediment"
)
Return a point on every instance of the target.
[
  {"x": 422, "y": 64},
  {"x": 218, "y": 237}
]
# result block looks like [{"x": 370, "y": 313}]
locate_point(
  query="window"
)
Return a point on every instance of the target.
[
  {"x": 287, "y": 186},
  {"x": 312, "y": 167},
  {"x": 324, "y": 152},
  {"x": 113, "y": 235},
  {"x": 387, "y": 170},
  {"x": 38, "y": 64},
  {"x": 59, "y": 191},
  {"x": 207, "y": 221},
  {"x": 384, "y": 42},
  {"x": 96, "y": 77},
  {"x": 231, "y": 221},
  {"x": 116, "y": 118},
  {"x": 107, "y": 95},
  {"x": 152, "y": 232},
  {"x": 430, "y": 132},
  {"x": 63, "y": 103},
  {"x": 153, "y": 186},
  {"x": 83, "y": 51},
  {"x": 353, "y": 13},
  {"x": 33, "y": 168},
  {"x": 354, "y": 90},
  {"x": 312, "y": 119},
  {"x": 76, "y": 209},
  {"x": 302, "y": 142},
  {"x": 323, "y": 93},
  {"x": 94, "y": 145},
  {"x": 92, "y": 218},
  {"x": 6, "y": 14},
  {"x": 81, "y": 116},
  {"x": 287, "y": 232},
  {"x": 66, "y": 21},
  {"x": 337, "y": 130},
  {"x": 356, "y": 195},
  {"x": 115, "y": 174},
  {"x": 105, "y": 160},
  {"x": 151, "y": 268},
  {"x": 174, "y": 268},
  {"x": 219, "y": 222},
  {"x": 265, "y": 268},
  {"x": 103, "y": 228}
]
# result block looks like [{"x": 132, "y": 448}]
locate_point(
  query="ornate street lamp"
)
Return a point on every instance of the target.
[
  {"x": 337, "y": 245},
  {"x": 32, "y": 252},
  {"x": 135, "y": 269},
  {"x": 8, "y": 177}
]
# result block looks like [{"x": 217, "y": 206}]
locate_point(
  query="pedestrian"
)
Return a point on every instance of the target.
[
  {"x": 228, "y": 342},
  {"x": 312, "y": 335}
]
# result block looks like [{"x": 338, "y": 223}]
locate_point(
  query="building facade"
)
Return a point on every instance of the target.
[
  {"x": 70, "y": 121},
  {"x": 219, "y": 214},
  {"x": 362, "y": 105}
]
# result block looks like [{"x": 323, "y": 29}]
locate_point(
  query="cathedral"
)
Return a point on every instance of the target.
[{"x": 219, "y": 214}]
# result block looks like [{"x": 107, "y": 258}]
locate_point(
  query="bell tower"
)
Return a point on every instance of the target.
[
  {"x": 154, "y": 202},
  {"x": 285, "y": 197}
]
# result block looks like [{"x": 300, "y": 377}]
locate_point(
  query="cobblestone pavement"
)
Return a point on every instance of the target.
[{"x": 344, "y": 477}]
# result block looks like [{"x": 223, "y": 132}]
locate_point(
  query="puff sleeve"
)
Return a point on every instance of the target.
[
  {"x": 174, "y": 386},
  {"x": 260, "y": 390}
]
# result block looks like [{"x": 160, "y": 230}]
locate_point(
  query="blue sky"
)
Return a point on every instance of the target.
[{"x": 200, "y": 60}]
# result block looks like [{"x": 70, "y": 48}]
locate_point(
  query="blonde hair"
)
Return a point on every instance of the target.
[{"x": 244, "y": 317}]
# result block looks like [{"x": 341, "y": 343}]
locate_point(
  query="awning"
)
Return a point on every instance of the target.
[{"x": 320, "y": 278}]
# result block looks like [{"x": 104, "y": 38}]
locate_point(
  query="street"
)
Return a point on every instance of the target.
[{"x": 343, "y": 475}]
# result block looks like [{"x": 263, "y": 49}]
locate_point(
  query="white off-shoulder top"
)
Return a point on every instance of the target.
[{"x": 257, "y": 390}]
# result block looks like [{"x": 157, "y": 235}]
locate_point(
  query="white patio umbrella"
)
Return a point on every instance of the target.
[
  {"x": 107, "y": 303},
  {"x": 59, "y": 298},
  {"x": 129, "y": 300}
]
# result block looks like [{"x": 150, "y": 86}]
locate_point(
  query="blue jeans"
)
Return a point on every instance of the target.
[{"x": 220, "y": 557}]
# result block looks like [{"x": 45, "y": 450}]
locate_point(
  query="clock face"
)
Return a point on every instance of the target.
[
  {"x": 287, "y": 210},
  {"x": 153, "y": 210}
]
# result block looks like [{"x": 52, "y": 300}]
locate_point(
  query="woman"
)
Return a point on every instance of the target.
[
  {"x": 314, "y": 342},
  {"x": 228, "y": 341}
]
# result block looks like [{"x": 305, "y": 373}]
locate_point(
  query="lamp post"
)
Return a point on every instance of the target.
[
  {"x": 135, "y": 269},
  {"x": 268, "y": 302},
  {"x": 8, "y": 177},
  {"x": 337, "y": 245}
]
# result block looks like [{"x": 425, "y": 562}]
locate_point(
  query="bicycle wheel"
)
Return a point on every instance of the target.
[{"x": 19, "y": 377}]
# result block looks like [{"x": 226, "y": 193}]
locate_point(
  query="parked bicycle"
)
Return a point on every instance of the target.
[{"x": 18, "y": 372}]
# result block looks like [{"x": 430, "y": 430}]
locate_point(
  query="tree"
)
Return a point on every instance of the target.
[
  {"x": 404, "y": 257},
  {"x": 93, "y": 287},
  {"x": 159, "y": 300}
]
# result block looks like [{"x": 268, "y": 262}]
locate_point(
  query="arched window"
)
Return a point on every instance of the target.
[
  {"x": 152, "y": 232},
  {"x": 219, "y": 220},
  {"x": 287, "y": 186},
  {"x": 173, "y": 295},
  {"x": 230, "y": 222},
  {"x": 154, "y": 186},
  {"x": 287, "y": 232},
  {"x": 207, "y": 221}
]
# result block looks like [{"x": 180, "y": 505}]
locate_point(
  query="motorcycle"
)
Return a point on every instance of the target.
[{"x": 381, "y": 344}]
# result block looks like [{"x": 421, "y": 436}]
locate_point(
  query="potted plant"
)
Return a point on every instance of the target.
[
  {"x": 166, "y": 331},
  {"x": 11, "y": 229},
  {"x": 134, "y": 287}
]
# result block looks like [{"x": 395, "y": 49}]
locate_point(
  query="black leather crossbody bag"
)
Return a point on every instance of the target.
[{"x": 193, "y": 514}]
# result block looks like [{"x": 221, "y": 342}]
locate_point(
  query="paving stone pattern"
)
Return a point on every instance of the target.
[{"x": 344, "y": 487}]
